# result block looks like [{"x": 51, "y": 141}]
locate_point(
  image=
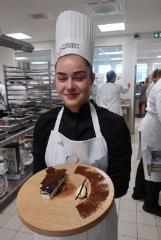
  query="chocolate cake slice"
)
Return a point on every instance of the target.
[{"x": 52, "y": 181}]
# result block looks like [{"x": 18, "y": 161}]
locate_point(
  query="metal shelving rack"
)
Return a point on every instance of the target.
[
  {"x": 32, "y": 89},
  {"x": 29, "y": 93}
]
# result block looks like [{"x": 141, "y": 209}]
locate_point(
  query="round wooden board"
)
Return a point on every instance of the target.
[{"x": 59, "y": 216}]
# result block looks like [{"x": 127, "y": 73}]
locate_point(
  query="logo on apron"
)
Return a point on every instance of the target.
[
  {"x": 60, "y": 143},
  {"x": 72, "y": 159}
]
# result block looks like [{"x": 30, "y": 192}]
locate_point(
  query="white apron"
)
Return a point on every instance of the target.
[
  {"x": 150, "y": 141},
  {"x": 62, "y": 150}
]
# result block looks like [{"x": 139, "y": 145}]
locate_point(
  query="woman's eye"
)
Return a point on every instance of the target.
[
  {"x": 61, "y": 78},
  {"x": 79, "y": 77}
]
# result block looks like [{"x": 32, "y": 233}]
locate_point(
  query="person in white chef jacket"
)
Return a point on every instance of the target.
[
  {"x": 2, "y": 99},
  {"x": 151, "y": 141},
  {"x": 81, "y": 128},
  {"x": 108, "y": 94},
  {"x": 156, "y": 74}
]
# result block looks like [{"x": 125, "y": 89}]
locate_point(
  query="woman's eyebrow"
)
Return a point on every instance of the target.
[
  {"x": 74, "y": 73},
  {"x": 79, "y": 72},
  {"x": 60, "y": 73},
  {"x": 82, "y": 71}
]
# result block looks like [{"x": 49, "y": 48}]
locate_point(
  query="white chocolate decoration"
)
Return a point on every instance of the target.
[{"x": 83, "y": 192}]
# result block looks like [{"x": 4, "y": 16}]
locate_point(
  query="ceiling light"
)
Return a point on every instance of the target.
[
  {"x": 18, "y": 35},
  {"x": 158, "y": 56},
  {"x": 39, "y": 63},
  {"x": 115, "y": 59},
  {"x": 21, "y": 58},
  {"x": 112, "y": 27},
  {"x": 110, "y": 53}
]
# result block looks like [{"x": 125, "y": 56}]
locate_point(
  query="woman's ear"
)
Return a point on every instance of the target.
[{"x": 92, "y": 78}]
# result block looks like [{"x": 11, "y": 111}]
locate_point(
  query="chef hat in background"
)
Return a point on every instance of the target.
[{"x": 74, "y": 35}]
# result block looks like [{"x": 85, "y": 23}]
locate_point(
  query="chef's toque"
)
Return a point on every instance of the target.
[{"x": 74, "y": 35}]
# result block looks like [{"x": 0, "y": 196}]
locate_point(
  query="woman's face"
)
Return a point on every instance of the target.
[{"x": 73, "y": 81}]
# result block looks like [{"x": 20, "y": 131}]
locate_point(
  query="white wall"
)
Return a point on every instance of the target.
[
  {"x": 48, "y": 45},
  {"x": 7, "y": 58}
]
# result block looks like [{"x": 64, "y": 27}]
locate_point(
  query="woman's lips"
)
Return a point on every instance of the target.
[{"x": 71, "y": 94}]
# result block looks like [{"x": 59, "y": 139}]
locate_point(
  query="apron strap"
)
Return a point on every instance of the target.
[
  {"x": 57, "y": 123},
  {"x": 94, "y": 120}
]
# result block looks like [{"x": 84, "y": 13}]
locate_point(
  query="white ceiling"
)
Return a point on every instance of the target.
[{"x": 139, "y": 15}]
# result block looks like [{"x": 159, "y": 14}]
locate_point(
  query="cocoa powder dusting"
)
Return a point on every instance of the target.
[
  {"x": 98, "y": 194},
  {"x": 67, "y": 189}
]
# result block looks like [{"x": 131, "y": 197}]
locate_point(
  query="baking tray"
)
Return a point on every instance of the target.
[{"x": 12, "y": 127}]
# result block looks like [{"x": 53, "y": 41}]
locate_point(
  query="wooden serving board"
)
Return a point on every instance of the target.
[{"x": 59, "y": 216}]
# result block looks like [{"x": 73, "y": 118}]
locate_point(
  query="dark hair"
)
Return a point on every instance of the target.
[
  {"x": 159, "y": 73},
  {"x": 155, "y": 73},
  {"x": 89, "y": 66},
  {"x": 110, "y": 75}
]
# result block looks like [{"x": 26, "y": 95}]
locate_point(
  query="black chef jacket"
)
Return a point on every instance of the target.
[{"x": 79, "y": 126}]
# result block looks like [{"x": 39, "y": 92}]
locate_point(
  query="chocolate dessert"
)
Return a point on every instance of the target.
[{"x": 52, "y": 181}]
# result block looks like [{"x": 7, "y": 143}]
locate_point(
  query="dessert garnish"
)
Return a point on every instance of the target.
[{"x": 81, "y": 191}]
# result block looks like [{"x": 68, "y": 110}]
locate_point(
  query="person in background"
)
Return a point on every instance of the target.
[
  {"x": 148, "y": 187},
  {"x": 101, "y": 136},
  {"x": 108, "y": 94},
  {"x": 143, "y": 98},
  {"x": 2, "y": 100},
  {"x": 156, "y": 74}
]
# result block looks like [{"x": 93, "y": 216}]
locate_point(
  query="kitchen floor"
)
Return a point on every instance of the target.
[{"x": 134, "y": 223}]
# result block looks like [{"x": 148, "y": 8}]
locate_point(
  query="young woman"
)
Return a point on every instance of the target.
[{"x": 100, "y": 136}]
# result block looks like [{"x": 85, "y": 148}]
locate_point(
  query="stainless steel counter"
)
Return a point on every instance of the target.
[{"x": 17, "y": 135}]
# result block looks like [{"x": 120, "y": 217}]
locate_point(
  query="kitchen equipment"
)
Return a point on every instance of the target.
[
  {"x": 12, "y": 156},
  {"x": 3, "y": 177},
  {"x": 3, "y": 134},
  {"x": 155, "y": 163},
  {"x": 15, "y": 44},
  {"x": 10, "y": 125}
]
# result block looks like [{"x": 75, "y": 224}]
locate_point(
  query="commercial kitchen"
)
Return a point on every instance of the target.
[{"x": 27, "y": 71}]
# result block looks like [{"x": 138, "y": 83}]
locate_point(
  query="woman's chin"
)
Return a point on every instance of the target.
[{"x": 72, "y": 105}]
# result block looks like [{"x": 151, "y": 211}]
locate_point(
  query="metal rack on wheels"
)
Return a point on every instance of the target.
[{"x": 28, "y": 88}]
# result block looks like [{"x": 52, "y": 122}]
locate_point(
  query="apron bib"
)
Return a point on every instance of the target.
[
  {"x": 93, "y": 151},
  {"x": 62, "y": 150}
]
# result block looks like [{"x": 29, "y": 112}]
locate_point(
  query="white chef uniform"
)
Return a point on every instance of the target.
[
  {"x": 108, "y": 96},
  {"x": 151, "y": 130},
  {"x": 93, "y": 151}
]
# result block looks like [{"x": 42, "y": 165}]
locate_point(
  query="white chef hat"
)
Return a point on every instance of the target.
[{"x": 74, "y": 35}]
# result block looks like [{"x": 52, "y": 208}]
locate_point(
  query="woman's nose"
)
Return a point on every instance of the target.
[{"x": 70, "y": 83}]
